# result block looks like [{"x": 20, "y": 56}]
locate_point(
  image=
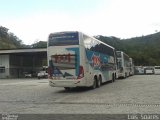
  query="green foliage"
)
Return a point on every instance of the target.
[
  {"x": 144, "y": 50},
  {"x": 9, "y": 40},
  {"x": 40, "y": 44}
]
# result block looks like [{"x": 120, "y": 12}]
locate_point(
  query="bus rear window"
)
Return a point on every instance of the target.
[{"x": 62, "y": 39}]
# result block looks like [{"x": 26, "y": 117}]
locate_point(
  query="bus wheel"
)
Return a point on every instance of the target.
[
  {"x": 99, "y": 82},
  {"x": 94, "y": 84},
  {"x": 67, "y": 88},
  {"x": 125, "y": 75},
  {"x": 113, "y": 78}
]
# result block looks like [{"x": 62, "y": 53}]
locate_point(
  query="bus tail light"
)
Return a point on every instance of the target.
[{"x": 81, "y": 72}]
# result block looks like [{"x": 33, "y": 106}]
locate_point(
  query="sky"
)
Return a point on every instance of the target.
[{"x": 34, "y": 20}]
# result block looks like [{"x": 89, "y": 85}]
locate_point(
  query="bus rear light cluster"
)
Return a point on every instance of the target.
[{"x": 81, "y": 72}]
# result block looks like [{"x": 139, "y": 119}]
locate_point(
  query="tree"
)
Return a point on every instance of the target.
[
  {"x": 9, "y": 40},
  {"x": 40, "y": 44},
  {"x": 3, "y": 32}
]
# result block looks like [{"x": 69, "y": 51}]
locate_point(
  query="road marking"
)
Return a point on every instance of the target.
[{"x": 83, "y": 103}]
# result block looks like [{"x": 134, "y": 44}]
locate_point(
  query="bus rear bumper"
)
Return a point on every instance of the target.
[
  {"x": 67, "y": 83},
  {"x": 121, "y": 75}
]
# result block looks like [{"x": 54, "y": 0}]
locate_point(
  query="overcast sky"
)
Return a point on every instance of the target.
[{"x": 34, "y": 20}]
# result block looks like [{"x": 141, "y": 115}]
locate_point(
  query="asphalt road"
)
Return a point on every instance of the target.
[{"x": 139, "y": 94}]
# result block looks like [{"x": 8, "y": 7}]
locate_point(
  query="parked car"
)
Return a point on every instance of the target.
[
  {"x": 157, "y": 70},
  {"x": 27, "y": 75},
  {"x": 139, "y": 70},
  {"x": 42, "y": 74},
  {"x": 149, "y": 70}
]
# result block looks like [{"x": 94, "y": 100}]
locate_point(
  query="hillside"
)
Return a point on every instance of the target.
[
  {"x": 9, "y": 40},
  {"x": 144, "y": 50}
]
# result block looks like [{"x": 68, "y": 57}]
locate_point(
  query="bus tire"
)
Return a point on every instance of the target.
[
  {"x": 99, "y": 81},
  {"x": 113, "y": 78},
  {"x": 125, "y": 75},
  {"x": 94, "y": 84},
  {"x": 67, "y": 88}
]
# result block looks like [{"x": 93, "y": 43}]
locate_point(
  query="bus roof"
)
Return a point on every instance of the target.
[
  {"x": 83, "y": 34},
  {"x": 62, "y": 32},
  {"x": 103, "y": 42}
]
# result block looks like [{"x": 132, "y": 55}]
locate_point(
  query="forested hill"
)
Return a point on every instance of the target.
[
  {"x": 9, "y": 40},
  {"x": 145, "y": 50}
]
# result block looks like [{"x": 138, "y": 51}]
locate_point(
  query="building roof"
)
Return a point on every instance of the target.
[{"x": 23, "y": 51}]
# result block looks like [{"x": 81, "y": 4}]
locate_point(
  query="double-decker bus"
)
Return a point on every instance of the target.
[
  {"x": 77, "y": 60},
  {"x": 123, "y": 64}
]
